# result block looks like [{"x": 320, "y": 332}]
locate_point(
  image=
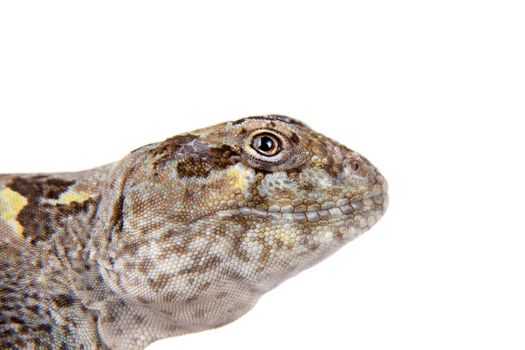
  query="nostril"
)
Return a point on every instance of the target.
[{"x": 355, "y": 166}]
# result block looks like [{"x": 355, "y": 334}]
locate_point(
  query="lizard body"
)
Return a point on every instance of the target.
[{"x": 179, "y": 236}]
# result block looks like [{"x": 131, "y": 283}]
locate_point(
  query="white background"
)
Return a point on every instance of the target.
[{"x": 431, "y": 91}]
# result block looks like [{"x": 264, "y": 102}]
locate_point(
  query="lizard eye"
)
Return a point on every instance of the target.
[
  {"x": 270, "y": 150},
  {"x": 267, "y": 144}
]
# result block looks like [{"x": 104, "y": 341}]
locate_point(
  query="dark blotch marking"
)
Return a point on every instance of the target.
[
  {"x": 294, "y": 138},
  {"x": 44, "y": 328},
  {"x": 165, "y": 150},
  {"x": 117, "y": 215},
  {"x": 63, "y": 300},
  {"x": 217, "y": 158},
  {"x": 40, "y": 187},
  {"x": 39, "y": 219},
  {"x": 34, "y": 309},
  {"x": 15, "y": 319}
]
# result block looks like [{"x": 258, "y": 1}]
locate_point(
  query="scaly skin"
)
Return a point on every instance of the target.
[{"x": 179, "y": 236}]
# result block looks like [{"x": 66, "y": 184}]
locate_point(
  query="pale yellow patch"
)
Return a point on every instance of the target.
[
  {"x": 238, "y": 178},
  {"x": 285, "y": 236},
  {"x": 200, "y": 132},
  {"x": 318, "y": 162},
  {"x": 73, "y": 196},
  {"x": 11, "y": 203}
]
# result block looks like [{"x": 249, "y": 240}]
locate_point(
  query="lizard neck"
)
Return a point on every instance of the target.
[
  {"x": 52, "y": 217},
  {"x": 49, "y": 220}
]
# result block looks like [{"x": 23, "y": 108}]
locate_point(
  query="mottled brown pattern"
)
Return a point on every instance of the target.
[
  {"x": 177, "y": 237},
  {"x": 217, "y": 159},
  {"x": 41, "y": 218},
  {"x": 165, "y": 150}
]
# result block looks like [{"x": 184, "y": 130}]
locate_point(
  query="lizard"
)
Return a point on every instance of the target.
[{"x": 179, "y": 236}]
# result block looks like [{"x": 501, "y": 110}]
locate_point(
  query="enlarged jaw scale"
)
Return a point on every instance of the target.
[{"x": 179, "y": 236}]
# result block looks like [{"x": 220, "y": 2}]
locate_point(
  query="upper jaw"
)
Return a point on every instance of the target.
[{"x": 328, "y": 210}]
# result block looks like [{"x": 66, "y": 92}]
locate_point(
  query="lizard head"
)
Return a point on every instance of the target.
[{"x": 216, "y": 217}]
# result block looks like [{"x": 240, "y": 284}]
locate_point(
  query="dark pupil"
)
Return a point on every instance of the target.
[{"x": 266, "y": 144}]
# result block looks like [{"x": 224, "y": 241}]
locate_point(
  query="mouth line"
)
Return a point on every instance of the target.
[{"x": 328, "y": 210}]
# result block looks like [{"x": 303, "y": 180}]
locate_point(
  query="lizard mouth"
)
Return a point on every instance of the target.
[{"x": 327, "y": 211}]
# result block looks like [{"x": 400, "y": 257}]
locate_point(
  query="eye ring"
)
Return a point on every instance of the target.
[{"x": 266, "y": 144}]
